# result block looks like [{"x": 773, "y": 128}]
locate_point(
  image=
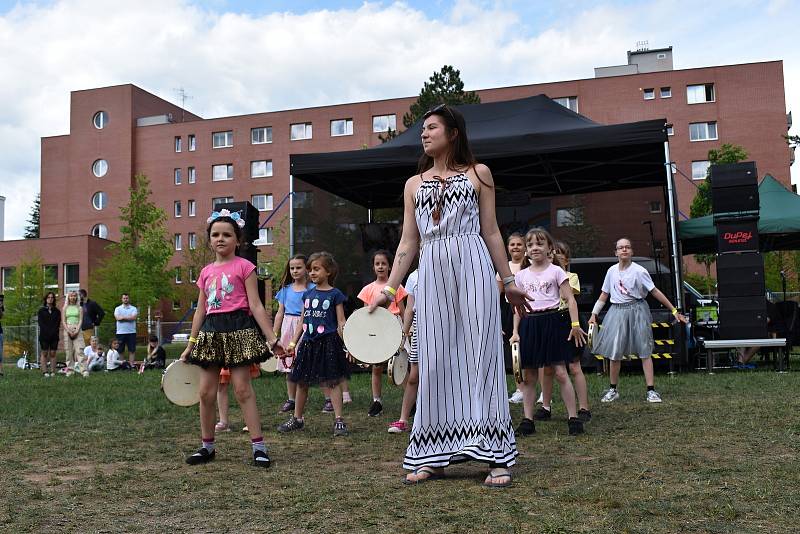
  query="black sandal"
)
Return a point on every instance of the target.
[
  {"x": 202, "y": 456},
  {"x": 261, "y": 459}
]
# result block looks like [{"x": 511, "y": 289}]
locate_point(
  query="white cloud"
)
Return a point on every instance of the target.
[{"x": 237, "y": 63}]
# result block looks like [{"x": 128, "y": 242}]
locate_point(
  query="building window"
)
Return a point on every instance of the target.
[
  {"x": 192, "y": 143},
  {"x": 177, "y": 143},
  {"x": 649, "y": 94},
  {"x": 8, "y": 278},
  {"x": 219, "y": 200},
  {"x": 192, "y": 178},
  {"x": 260, "y": 169},
  {"x": 100, "y": 120},
  {"x": 177, "y": 174},
  {"x": 699, "y": 94},
  {"x": 177, "y": 207},
  {"x": 569, "y": 102},
  {"x": 220, "y": 173},
  {"x": 384, "y": 123},
  {"x": 72, "y": 276},
  {"x": 265, "y": 235},
  {"x": 262, "y": 202},
  {"x": 303, "y": 199},
  {"x": 176, "y": 305},
  {"x": 666, "y": 92},
  {"x": 700, "y": 169},
  {"x": 100, "y": 168},
  {"x": 100, "y": 230},
  {"x": 259, "y": 136},
  {"x": 341, "y": 127},
  {"x": 99, "y": 200},
  {"x": 301, "y": 131},
  {"x": 655, "y": 206},
  {"x": 192, "y": 240},
  {"x": 703, "y": 131},
  {"x": 178, "y": 242},
  {"x": 192, "y": 277},
  {"x": 222, "y": 139},
  {"x": 569, "y": 217},
  {"x": 177, "y": 278},
  {"x": 670, "y": 130},
  {"x": 192, "y": 208},
  {"x": 304, "y": 234}
]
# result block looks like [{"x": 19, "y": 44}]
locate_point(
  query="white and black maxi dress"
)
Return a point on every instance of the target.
[{"x": 462, "y": 407}]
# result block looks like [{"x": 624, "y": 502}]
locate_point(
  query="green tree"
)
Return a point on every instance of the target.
[
  {"x": 24, "y": 298},
  {"x": 138, "y": 263},
  {"x": 32, "y": 230},
  {"x": 701, "y": 204},
  {"x": 443, "y": 87}
]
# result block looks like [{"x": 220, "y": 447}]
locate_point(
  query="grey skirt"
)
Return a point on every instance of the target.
[{"x": 626, "y": 331}]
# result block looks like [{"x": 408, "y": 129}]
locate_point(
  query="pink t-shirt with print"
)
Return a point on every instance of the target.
[
  {"x": 543, "y": 286},
  {"x": 224, "y": 285}
]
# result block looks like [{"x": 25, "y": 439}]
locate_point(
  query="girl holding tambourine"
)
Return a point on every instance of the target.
[
  {"x": 381, "y": 266},
  {"x": 228, "y": 331}
]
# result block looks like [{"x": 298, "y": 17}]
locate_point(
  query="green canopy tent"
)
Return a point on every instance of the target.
[{"x": 778, "y": 225}]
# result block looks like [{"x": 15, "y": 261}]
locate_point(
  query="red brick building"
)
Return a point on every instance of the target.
[{"x": 117, "y": 132}]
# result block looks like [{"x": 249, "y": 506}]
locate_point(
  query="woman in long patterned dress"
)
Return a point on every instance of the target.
[{"x": 462, "y": 409}]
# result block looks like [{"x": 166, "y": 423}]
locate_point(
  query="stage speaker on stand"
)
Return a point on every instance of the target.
[
  {"x": 740, "y": 266},
  {"x": 247, "y": 249}
]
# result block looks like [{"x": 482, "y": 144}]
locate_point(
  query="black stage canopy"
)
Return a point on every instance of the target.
[{"x": 532, "y": 145}]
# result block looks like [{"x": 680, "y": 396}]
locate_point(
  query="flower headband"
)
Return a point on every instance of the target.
[{"x": 226, "y": 213}]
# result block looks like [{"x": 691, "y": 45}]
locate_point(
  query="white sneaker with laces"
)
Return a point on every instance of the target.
[
  {"x": 653, "y": 396},
  {"x": 610, "y": 396},
  {"x": 516, "y": 397}
]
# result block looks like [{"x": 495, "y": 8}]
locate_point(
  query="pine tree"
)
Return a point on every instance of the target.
[
  {"x": 32, "y": 230},
  {"x": 444, "y": 87}
]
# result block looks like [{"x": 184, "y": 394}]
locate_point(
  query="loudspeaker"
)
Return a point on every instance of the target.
[
  {"x": 740, "y": 275},
  {"x": 737, "y": 235},
  {"x": 743, "y": 317},
  {"x": 249, "y": 213},
  {"x": 734, "y": 187},
  {"x": 380, "y": 236}
]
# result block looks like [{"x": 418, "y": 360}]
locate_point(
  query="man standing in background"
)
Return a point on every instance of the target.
[
  {"x": 92, "y": 316},
  {"x": 126, "y": 314}
]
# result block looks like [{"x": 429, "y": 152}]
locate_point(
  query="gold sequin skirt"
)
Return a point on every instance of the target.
[{"x": 229, "y": 340}]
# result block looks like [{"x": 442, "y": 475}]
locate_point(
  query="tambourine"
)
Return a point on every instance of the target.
[
  {"x": 590, "y": 335},
  {"x": 181, "y": 383},
  {"x": 398, "y": 367},
  {"x": 372, "y": 338},
  {"x": 516, "y": 362},
  {"x": 269, "y": 366}
]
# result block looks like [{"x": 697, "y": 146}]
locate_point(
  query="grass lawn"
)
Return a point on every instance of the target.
[{"x": 105, "y": 454}]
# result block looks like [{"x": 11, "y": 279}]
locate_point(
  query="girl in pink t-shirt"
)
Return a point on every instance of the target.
[
  {"x": 381, "y": 266},
  {"x": 228, "y": 331},
  {"x": 546, "y": 336}
]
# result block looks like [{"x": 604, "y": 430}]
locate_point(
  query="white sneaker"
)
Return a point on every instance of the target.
[
  {"x": 610, "y": 396},
  {"x": 540, "y": 400},
  {"x": 653, "y": 396},
  {"x": 516, "y": 397}
]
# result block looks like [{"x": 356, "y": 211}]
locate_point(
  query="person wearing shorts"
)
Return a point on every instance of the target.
[{"x": 126, "y": 314}]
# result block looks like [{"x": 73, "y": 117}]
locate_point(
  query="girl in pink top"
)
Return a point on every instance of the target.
[
  {"x": 546, "y": 336},
  {"x": 381, "y": 265},
  {"x": 228, "y": 331}
]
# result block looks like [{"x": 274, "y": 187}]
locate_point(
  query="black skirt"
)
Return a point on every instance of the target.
[
  {"x": 543, "y": 339},
  {"x": 320, "y": 361},
  {"x": 229, "y": 340}
]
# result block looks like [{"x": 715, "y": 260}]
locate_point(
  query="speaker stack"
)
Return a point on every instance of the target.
[
  {"x": 740, "y": 266},
  {"x": 249, "y": 213}
]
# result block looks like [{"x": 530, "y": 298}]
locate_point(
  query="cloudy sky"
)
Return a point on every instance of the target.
[{"x": 249, "y": 56}]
